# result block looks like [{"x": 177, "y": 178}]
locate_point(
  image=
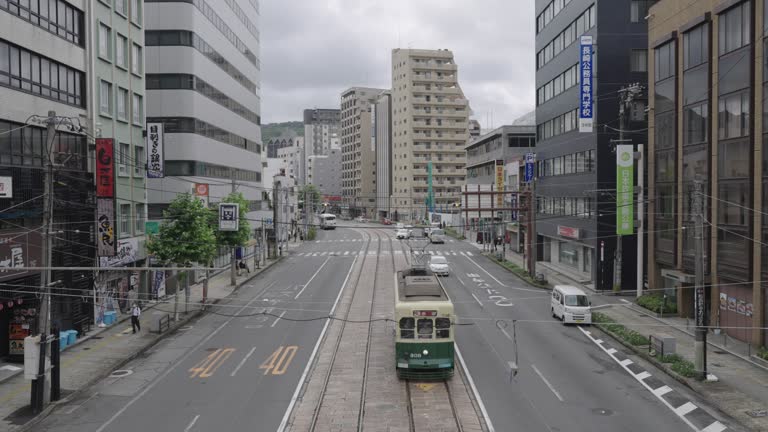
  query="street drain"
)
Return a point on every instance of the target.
[
  {"x": 602, "y": 412},
  {"x": 120, "y": 373}
]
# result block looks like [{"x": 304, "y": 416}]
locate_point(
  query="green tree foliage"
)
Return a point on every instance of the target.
[
  {"x": 239, "y": 237},
  {"x": 186, "y": 235},
  {"x": 312, "y": 195}
]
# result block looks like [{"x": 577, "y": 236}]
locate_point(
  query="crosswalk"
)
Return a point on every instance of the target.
[
  {"x": 356, "y": 240},
  {"x": 385, "y": 252}
]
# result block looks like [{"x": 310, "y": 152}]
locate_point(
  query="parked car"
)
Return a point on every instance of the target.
[
  {"x": 571, "y": 305},
  {"x": 403, "y": 234},
  {"x": 410, "y": 230},
  {"x": 361, "y": 219},
  {"x": 387, "y": 222},
  {"x": 437, "y": 235},
  {"x": 439, "y": 265}
]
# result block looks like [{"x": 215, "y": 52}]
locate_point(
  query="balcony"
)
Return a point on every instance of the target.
[
  {"x": 421, "y": 100},
  {"x": 435, "y": 67}
]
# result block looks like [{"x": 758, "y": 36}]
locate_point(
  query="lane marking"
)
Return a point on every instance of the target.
[
  {"x": 313, "y": 277},
  {"x": 551, "y": 387},
  {"x": 715, "y": 427},
  {"x": 278, "y": 318},
  {"x": 300, "y": 384},
  {"x": 346, "y": 252},
  {"x": 612, "y": 351},
  {"x": 486, "y": 271},
  {"x": 642, "y": 375},
  {"x": 685, "y": 409},
  {"x": 175, "y": 365},
  {"x": 460, "y": 280},
  {"x": 192, "y": 423},
  {"x": 643, "y": 383},
  {"x": 277, "y": 363},
  {"x": 599, "y": 341},
  {"x": 626, "y": 362},
  {"x": 477, "y": 300},
  {"x": 211, "y": 363},
  {"x": 242, "y": 362},
  {"x": 476, "y": 393},
  {"x": 71, "y": 410},
  {"x": 661, "y": 391}
]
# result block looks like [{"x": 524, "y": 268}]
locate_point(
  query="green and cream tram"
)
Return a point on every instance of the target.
[{"x": 424, "y": 334}]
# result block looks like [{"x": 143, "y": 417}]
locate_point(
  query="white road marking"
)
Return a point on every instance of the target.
[
  {"x": 346, "y": 252},
  {"x": 469, "y": 254},
  {"x": 313, "y": 276},
  {"x": 479, "y": 400},
  {"x": 71, "y": 410},
  {"x": 685, "y": 409},
  {"x": 284, "y": 421},
  {"x": 192, "y": 423},
  {"x": 598, "y": 341},
  {"x": 10, "y": 368},
  {"x": 551, "y": 387},
  {"x": 625, "y": 301},
  {"x": 611, "y": 351},
  {"x": 323, "y": 253},
  {"x": 242, "y": 362},
  {"x": 643, "y": 383},
  {"x": 715, "y": 427},
  {"x": 477, "y": 300},
  {"x": 460, "y": 280},
  {"x": 626, "y": 362},
  {"x": 486, "y": 271},
  {"x": 642, "y": 375},
  {"x": 278, "y": 318},
  {"x": 661, "y": 391}
]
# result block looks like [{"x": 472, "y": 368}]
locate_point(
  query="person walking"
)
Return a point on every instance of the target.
[{"x": 135, "y": 313}]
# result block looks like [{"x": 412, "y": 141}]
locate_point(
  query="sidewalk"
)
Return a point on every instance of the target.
[
  {"x": 103, "y": 350},
  {"x": 743, "y": 383}
]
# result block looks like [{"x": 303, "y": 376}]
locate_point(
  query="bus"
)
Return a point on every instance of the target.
[{"x": 327, "y": 221}]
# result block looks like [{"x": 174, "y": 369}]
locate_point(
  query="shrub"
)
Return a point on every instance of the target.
[
  {"x": 630, "y": 336},
  {"x": 763, "y": 353},
  {"x": 311, "y": 233},
  {"x": 655, "y": 303},
  {"x": 684, "y": 368}
]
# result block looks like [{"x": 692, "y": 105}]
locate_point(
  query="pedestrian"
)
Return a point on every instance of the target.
[{"x": 135, "y": 313}]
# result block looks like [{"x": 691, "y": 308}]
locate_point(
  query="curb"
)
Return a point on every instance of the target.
[
  {"x": 546, "y": 288},
  {"x": 51, "y": 406}
]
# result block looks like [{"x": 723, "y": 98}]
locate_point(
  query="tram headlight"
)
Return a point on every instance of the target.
[{"x": 425, "y": 352}]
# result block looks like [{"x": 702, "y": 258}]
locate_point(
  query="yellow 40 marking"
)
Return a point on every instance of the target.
[
  {"x": 208, "y": 365},
  {"x": 277, "y": 363}
]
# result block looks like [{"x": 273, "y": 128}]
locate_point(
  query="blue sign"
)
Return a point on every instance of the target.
[
  {"x": 530, "y": 159},
  {"x": 586, "y": 113}
]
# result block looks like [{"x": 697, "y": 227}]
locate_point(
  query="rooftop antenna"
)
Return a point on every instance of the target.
[{"x": 419, "y": 258}]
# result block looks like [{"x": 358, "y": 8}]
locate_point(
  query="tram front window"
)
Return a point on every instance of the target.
[
  {"x": 425, "y": 328},
  {"x": 406, "y": 328},
  {"x": 443, "y": 326}
]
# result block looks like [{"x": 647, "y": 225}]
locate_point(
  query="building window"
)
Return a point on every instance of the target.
[
  {"x": 138, "y": 161},
  {"x": 138, "y": 108},
  {"x": 122, "y": 104},
  {"x": 121, "y": 7},
  {"x": 105, "y": 98},
  {"x": 124, "y": 158},
  {"x": 105, "y": 42},
  {"x": 696, "y": 122},
  {"x": 696, "y": 46},
  {"x": 55, "y": 16},
  {"x": 121, "y": 51},
  {"x": 125, "y": 218},
  {"x": 733, "y": 115},
  {"x": 733, "y": 28},
  {"x": 638, "y": 10},
  {"x": 639, "y": 60},
  {"x": 136, "y": 59},
  {"x": 140, "y": 218},
  {"x": 665, "y": 61},
  {"x": 136, "y": 12}
]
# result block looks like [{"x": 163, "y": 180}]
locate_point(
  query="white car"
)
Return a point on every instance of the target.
[
  {"x": 439, "y": 265},
  {"x": 402, "y": 234}
]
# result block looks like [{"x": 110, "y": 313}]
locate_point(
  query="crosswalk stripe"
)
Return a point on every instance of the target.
[
  {"x": 469, "y": 254},
  {"x": 346, "y": 252},
  {"x": 685, "y": 409}
]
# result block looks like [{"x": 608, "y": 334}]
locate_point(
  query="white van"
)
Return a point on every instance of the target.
[
  {"x": 571, "y": 305},
  {"x": 327, "y": 221}
]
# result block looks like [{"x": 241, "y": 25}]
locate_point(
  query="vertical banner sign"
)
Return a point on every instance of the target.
[
  {"x": 530, "y": 159},
  {"x": 105, "y": 168},
  {"x": 105, "y": 209},
  {"x": 499, "y": 184},
  {"x": 155, "y": 153},
  {"x": 585, "y": 72},
  {"x": 229, "y": 217},
  {"x": 430, "y": 194},
  {"x": 625, "y": 167}
]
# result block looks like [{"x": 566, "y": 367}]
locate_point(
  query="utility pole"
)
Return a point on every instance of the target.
[
  {"x": 529, "y": 233},
  {"x": 640, "y": 216},
  {"x": 44, "y": 317},
  {"x": 626, "y": 96},
  {"x": 276, "y": 201},
  {"x": 233, "y": 258},
  {"x": 700, "y": 344}
]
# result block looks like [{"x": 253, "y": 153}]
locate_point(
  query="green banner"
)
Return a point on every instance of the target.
[
  {"x": 625, "y": 212},
  {"x": 151, "y": 227}
]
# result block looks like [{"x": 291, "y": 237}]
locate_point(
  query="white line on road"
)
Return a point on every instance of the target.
[
  {"x": 192, "y": 423},
  {"x": 685, "y": 409},
  {"x": 642, "y": 375},
  {"x": 551, "y": 387},
  {"x": 626, "y": 362},
  {"x": 71, "y": 410},
  {"x": 478, "y": 300},
  {"x": 661, "y": 391},
  {"x": 715, "y": 427},
  {"x": 242, "y": 362},
  {"x": 486, "y": 271},
  {"x": 503, "y": 330},
  {"x": 476, "y": 393},
  {"x": 278, "y": 318},
  {"x": 313, "y": 276}
]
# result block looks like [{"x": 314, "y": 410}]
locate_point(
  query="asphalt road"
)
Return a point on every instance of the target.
[{"x": 224, "y": 373}]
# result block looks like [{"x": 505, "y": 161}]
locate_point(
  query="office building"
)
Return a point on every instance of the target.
[
  {"x": 203, "y": 86},
  {"x": 274, "y": 144},
  {"x": 383, "y": 134},
  {"x": 576, "y": 183},
  {"x": 43, "y": 59},
  {"x": 293, "y": 161},
  {"x": 324, "y": 172},
  {"x": 708, "y": 105},
  {"x": 358, "y": 159},
  {"x": 429, "y": 124},
  {"x": 321, "y": 126}
]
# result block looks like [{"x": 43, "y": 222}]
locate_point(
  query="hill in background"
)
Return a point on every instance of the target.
[{"x": 285, "y": 129}]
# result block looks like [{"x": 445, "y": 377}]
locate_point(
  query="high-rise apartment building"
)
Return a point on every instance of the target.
[
  {"x": 321, "y": 125},
  {"x": 43, "y": 65},
  {"x": 358, "y": 142},
  {"x": 325, "y": 173},
  {"x": 429, "y": 124},
  {"x": 383, "y": 124},
  {"x": 576, "y": 183},
  {"x": 203, "y": 86},
  {"x": 116, "y": 83}
]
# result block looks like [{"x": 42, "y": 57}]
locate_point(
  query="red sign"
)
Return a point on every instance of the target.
[
  {"x": 564, "y": 231},
  {"x": 201, "y": 189},
  {"x": 332, "y": 197},
  {"x": 105, "y": 168},
  {"x": 425, "y": 313}
]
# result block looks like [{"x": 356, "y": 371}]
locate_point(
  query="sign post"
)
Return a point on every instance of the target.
[{"x": 585, "y": 72}]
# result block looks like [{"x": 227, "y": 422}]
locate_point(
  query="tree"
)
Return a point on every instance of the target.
[
  {"x": 312, "y": 195},
  {"x": 237, "y": 238},
  {"x": 185, "y": 237}
]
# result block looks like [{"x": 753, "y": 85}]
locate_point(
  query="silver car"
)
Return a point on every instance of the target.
[{"x": 439, "y": 265}]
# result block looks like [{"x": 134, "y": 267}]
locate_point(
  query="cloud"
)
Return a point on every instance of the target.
[{"x": 314, "y": 50}]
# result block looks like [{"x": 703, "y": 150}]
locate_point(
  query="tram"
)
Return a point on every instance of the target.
[
  {"x": 327, "y": 221},
  {"x": 424, "y": 334}
]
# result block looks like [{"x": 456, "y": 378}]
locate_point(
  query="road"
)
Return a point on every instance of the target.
[{"x": 224, "y": 373}]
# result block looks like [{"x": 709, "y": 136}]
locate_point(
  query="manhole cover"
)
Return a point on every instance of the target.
[
  {"x": 602, "y": 411},
  {"x": 120, "y": 373},
  {"x": 757, "y": 413}
]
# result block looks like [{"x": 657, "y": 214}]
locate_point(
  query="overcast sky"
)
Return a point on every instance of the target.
[{"x": 312, "y": 50}]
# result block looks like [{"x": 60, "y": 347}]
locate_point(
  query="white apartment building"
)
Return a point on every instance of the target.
[
  {"x": 383, "y": 133},
  {"x": 358, "y": 163},
  {"x": 321, "y": 127},
  {"x": 203, "y": 85},
  {"x": 429, "y": 124}
]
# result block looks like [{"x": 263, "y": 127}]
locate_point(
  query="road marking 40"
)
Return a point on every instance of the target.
[
  {"x": 207, "y": 367},
  {"x": 277, "y": 363}
]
